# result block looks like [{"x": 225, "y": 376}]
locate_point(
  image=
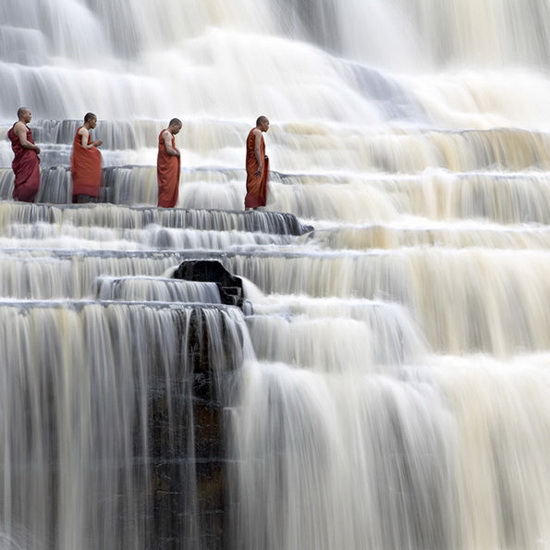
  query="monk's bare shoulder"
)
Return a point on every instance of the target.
[{"x": 20, "y": 128}]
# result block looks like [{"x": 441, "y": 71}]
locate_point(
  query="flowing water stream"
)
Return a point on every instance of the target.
[{"x": 386, "y": 386}]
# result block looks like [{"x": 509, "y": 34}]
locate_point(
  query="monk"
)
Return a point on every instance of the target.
[
  {"x": 86, "y": 162},
  {"x": 257, "y": 166},
  {"x": 26, "y": 163},
  {"x": 168, "y": 165}
]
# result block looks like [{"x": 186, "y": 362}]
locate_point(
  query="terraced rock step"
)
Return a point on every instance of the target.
[{"x": 110, "y": 215}]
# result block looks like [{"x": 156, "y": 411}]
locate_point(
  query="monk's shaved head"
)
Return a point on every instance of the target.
[
  {"x": 22, "y": 111},
  {"x": 262, "y": 123}
]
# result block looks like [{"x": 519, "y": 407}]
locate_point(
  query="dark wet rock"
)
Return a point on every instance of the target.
[
  {"x": 212, "y": 271},
  {"x": 186, "y": 446}
]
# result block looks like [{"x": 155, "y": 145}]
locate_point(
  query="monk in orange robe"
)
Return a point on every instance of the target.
[
  {"x": 86, "y": 162},
  {"x": 168, "y": 165},
  {"x": 257, "y": 165},
  {"x": 26, "y": 163}
]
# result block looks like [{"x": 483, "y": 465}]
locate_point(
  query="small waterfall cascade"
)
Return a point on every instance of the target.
[
  {"x": 384, "y": 384},
  {"x": 113, "y": 394},
  {"x": 101, "y": 404}
]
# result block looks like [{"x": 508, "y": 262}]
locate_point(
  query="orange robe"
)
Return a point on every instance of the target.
[
  {"x": 256, "y": 186},
  {"x": 26, "y": 166},
  {"x": 85, "y": 168},
  {"x": 168, "y": 174}
]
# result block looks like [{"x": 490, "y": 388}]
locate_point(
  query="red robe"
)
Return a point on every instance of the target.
[
  {"x": 86, "y": 168},
  {"x": 256, "y": 186},
  {"x": 26, "y": 166},
  {"x": 168, "y": 174}
]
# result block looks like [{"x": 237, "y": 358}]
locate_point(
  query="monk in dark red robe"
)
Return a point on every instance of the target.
[
  {"x": 86, "y": 162},
  {"x": 168, "y": 165},
  {"x": 26, "y": 163},
  {"x": 257, "y": 165}
]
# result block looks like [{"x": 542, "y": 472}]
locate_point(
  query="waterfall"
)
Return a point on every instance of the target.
[
  {"x": 384, "y": 386},
  {"x": 81, "y": 457},
  {"x": 152, "y": 289}
]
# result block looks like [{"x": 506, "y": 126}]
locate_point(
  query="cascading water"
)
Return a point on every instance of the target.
[{"x": 386, "y": 386}]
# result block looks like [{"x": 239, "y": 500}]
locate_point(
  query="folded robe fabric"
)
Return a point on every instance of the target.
[
  {"x": 256, "y": 186},
  {"x": 86, "y": 168},
  {"x": 26, "y": 166},
  {"x": 168, "y": 174}
]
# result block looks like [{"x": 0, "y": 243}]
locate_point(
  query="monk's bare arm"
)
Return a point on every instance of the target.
[
  {"x": 21, "y": 132},
  {"x": 85, "y": 137},
  {"x": 86, "y": 143},
  {"x": 167, "y": 136},
  {"x": 257, "y": 151}
]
